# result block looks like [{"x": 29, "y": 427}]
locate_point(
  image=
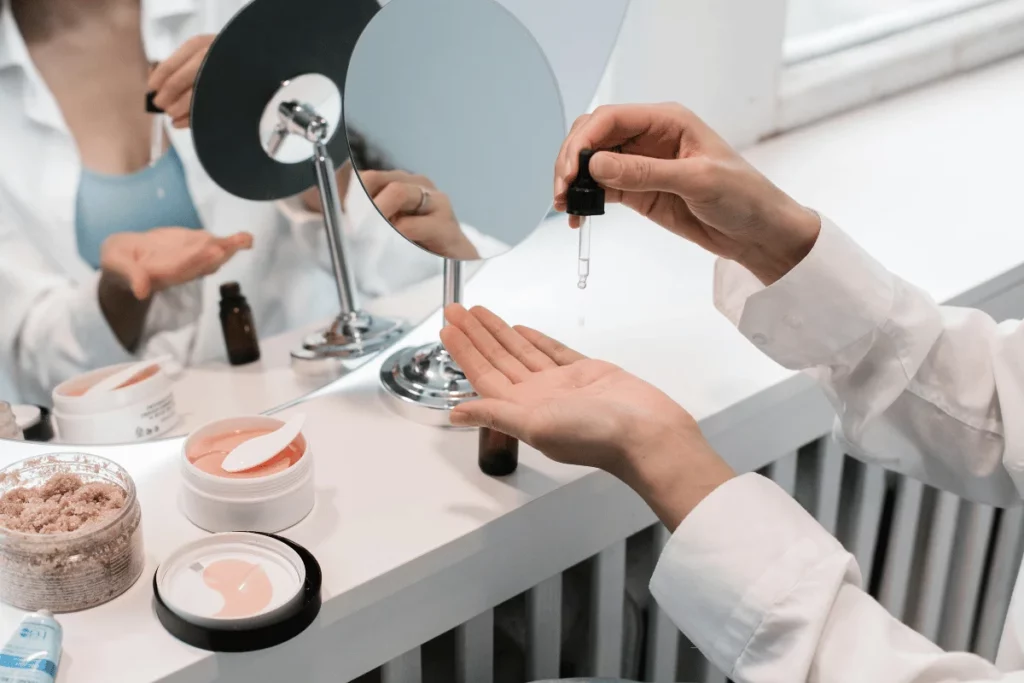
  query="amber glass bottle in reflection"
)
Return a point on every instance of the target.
[
  {"x": 239, "y": 329},
  {"x": 498, "y": 453}
]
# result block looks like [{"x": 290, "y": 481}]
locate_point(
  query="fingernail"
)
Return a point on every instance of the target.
[
  {"x": 460, "y": 420},
  {"x": 606, "y": 166}
]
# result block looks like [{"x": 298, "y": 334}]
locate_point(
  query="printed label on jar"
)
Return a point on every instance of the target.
[{"x": 157, "y": 418}]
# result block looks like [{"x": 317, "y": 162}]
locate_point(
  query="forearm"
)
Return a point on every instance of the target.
[
  {"x": 790, "y": 233},
  {"x": 125, "y": 314},
  {"x": 674, "y": 476}
]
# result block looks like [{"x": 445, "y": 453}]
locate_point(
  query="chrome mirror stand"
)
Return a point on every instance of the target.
[
  {"x": 354, "y": 332},
  {"x": 424, "y": 383}
]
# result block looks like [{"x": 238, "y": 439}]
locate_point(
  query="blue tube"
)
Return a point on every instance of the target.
[{"x": 32, "y": 653}]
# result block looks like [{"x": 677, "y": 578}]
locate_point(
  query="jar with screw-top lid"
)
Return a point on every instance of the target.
[{"x": 9, "y": 428}]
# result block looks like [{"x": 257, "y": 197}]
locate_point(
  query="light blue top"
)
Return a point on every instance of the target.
[{"x": 154, "y": 197}]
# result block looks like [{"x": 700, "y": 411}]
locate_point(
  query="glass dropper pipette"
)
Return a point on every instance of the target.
[
  {"x": 156, "y": 129},
  {"x": 585, "y": 198},
  {"x": 583, "y": 268}
]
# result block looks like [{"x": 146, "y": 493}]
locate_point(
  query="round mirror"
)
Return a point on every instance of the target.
[
  {"x": 86, "y": 384},
  {"x": 316, "y": 93},
  {"x": 260, "y": 52},
  {"x": 465, "y": 116}
]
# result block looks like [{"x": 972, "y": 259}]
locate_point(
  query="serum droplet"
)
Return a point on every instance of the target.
[{"x": 582, "y": 284}]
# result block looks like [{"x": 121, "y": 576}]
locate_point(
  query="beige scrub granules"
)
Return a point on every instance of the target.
[
  {"x": 70, "y": 532},
  {"x": 64, "y": 503}
]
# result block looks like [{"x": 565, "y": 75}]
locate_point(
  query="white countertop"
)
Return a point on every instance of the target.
[
  {"x": 413, "y": 539},
  {"x": 216, "y": 389}
]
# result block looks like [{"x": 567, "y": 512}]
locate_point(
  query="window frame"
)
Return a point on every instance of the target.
[
  {"x": 687, "y": 52},
  {"x": 874, "y": 28}
]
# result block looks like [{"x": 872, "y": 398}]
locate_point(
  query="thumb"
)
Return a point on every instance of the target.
[
  {"x": 506, "y": 417},
  {"x": 634, "y": 173}
]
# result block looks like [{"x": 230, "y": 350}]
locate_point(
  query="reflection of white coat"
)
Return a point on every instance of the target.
[{"x": 51, "y": 326}]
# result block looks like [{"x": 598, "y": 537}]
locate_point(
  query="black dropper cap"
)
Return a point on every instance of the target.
[
  {"x": 585, "y": 197},
  {"x": 230, "y": 290},
  {"x": 151, "y": 105}
]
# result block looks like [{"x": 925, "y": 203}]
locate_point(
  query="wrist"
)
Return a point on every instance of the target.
[
  {"x": 790, "y": 233},
  {"x": 125, "y": 314},
  {"x": 673, "y": 472}
]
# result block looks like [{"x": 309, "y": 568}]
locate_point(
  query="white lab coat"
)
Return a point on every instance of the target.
[
  {"x": 51, "y": 327},
  {"x": 753, "y": 580}
]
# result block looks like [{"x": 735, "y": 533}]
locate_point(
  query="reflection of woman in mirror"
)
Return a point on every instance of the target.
[
  {"x": 107, "y": 241},
  {"x": 420, "y": 212},
  {"x": 413, "y": 205}
]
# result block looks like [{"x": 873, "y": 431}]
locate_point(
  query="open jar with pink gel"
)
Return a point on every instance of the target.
[
  {"x": 269, "y": 498},
  {"x": 140, "y": 409}
]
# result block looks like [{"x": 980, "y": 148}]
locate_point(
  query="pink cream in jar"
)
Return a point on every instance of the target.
[
  {"x": 207, "y": 454},
  {"x": 270, "y": 498}
]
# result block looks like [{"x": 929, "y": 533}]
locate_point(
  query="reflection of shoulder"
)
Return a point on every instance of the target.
[{"x": 486, "y": 246}]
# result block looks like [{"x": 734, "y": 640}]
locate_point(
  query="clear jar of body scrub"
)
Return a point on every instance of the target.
[{"x": 67, "y": 571}]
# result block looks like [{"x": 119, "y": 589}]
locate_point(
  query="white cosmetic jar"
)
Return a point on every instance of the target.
[
  {"x": 268, "y": 504},
  {"x": 139, "y": 411}
]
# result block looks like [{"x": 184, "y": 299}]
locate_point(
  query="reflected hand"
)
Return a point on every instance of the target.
[
  {"x": 164, "y": 257},
  {"x": 676, "y": 171},
  {"x": 574, "y": 409},
  {"x": 420, "y": 212},
  {"x": 173, "y": 79}
]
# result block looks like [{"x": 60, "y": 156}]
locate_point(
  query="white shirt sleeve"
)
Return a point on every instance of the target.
[
  {"x": 53, "y": 328},
  {"x": 65, "y": 333},
  {"x": 768, "y": 595},
  {"x": 918, "y": 388}
]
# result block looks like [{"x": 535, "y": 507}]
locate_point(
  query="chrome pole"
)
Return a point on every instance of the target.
[{"x": 331, "y": 204}]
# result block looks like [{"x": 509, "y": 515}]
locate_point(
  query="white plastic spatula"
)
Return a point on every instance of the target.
[
  {"x": 123, "y": 376},
  {"x": 255, "y": 452}
]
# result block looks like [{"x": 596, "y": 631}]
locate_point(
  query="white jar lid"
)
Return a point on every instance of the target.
[
  {"x": 241, "y": 580},
  {"x": 26, "y": 416}
]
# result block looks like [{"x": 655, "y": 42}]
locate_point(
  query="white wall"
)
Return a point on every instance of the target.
[
  {"x": 721, "y": 58},
  {"x": 578, "y": 37}
]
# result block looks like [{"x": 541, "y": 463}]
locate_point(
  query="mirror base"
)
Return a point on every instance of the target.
[
  {"x": 358, "y": 334},
  {"x": 423, "y": 384}
]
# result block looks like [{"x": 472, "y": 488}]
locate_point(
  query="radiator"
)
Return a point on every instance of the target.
[{"x": 942, "y": 565}]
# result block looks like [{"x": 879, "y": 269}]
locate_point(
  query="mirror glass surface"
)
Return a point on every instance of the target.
[
  {"x": 579, "y": 57},
  {"x": 67, "y": 319},
  {"x": 316, "y": 91},
  {"x": 462, "y": 139}
]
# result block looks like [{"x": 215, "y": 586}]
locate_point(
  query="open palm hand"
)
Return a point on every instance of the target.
[
  {"x": 157, "y": 259},
  {"x": 573, "y": 409}
]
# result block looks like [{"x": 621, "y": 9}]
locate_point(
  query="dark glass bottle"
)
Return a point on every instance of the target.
[
  {"x": 239, "y": 329},
  {"x": 498, "y": 453}
]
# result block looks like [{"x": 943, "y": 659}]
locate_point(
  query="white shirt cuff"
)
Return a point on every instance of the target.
[
  {"x": 836, "y": 296},
  {"x": 740, "y": 552}
]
